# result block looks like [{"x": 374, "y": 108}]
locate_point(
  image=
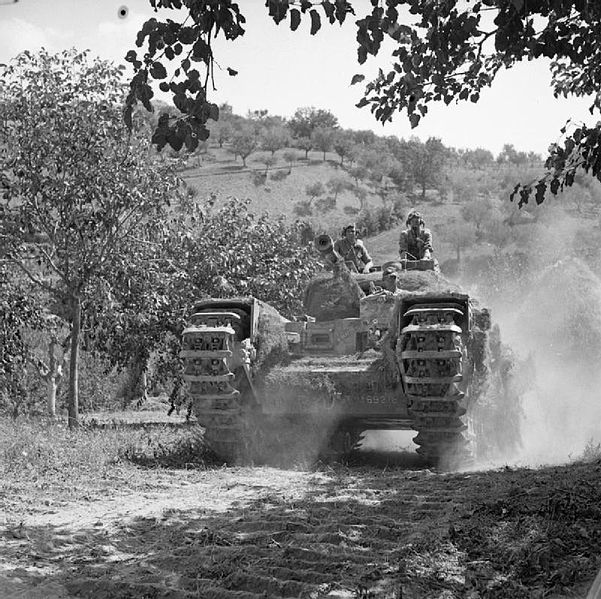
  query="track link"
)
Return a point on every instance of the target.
[
  {"x": 430, "y": 350},
  {"x": 214, "y": 364}
]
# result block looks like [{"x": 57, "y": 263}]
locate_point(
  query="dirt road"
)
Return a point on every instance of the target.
[{"x": 366, "y": 530}]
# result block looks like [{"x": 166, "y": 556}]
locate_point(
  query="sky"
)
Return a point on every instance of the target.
[{"x": 280, "y": 71}]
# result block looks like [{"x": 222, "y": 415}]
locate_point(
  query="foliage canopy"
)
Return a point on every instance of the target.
[
  {"x": 446, "y": 50},
  {"x": 80, "y": 191}
]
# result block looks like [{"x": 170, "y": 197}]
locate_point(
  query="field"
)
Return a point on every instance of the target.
[
  {"x": 147, "y": 512},
  {"x": 134, "y": 505}
]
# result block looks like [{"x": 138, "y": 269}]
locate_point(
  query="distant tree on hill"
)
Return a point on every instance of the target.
[
  {"x": 400, "y": 177},
  {"x": 377, "y": 163},
  {"x": 364, "y": 137},
  {"x": 359, "y": 173},
  {"x": 361, "y": 194},
  {"x": 244, "y": 143},
  {"x": 274, "y": 138},
  {"x": 307, "y": 119},
  {"x": 314, "y": 190},
  {"x": 426, "y": 161},
  {"x": 323, "y": 139},
  {"x": 290, "y": 157},
  {"x": 478, "y": 211},
  {"x": 509, "y": 155},
  {"x": 478, "y": 158},
  {"x": 497, "y": 231},
  {"x": 221, "y": 131},
  {"x": 337, "y": 185},
  {"x": 268, "y": 161},
  {"x": 343, "y": 144},
  {"x": 450, "y": 57},
  {"x": 305, "y": 144},
  {"x": 326, "y": 204},
  {"x": 459, "y": 235}
]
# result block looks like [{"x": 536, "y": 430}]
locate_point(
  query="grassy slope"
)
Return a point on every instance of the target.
[{"x": 219, "y": 173}]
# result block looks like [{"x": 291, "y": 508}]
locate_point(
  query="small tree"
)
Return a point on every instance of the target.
[
  {"x": 323, "y": 139},
  {"x": 306, "y": 144},
  {"x": 478, "y": 211},
  {"x": 343, "y": 145},
  {"x": 82, "y": 185},
  {"x": 268, "y": 161},
  {"x": 315, "y": 190},
  {"x": 274, "y": 139},
  {"x": 425, "y": 162},
  {"x": 221, "y": 131},
  {"x": 459, "y": 235},
  {"x": 244, "y": 143},
  {"x": 337, "y": 185},
  {"x": 290, "y": 157},
  {"x": 307, "y": 119}
]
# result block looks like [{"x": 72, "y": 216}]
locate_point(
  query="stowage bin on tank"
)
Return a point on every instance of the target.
[{"x": 399, "y": 348}]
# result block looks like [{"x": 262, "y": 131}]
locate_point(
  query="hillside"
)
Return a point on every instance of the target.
[{"x": 216, "y": 172}]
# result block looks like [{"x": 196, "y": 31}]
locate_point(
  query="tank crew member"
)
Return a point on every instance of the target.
[
  {"x": 415, "y": 242},
  {"x": 352, "y": 249}
]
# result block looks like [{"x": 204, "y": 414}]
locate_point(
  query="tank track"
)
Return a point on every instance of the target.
[
  {"x": 430, "y": 350},
  {"x": 214, "y": 364}
]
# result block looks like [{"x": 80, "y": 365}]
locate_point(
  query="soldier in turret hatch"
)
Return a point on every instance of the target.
[
  {"x": 352, "y": 249},
  {"x": 415, "y": 242}
]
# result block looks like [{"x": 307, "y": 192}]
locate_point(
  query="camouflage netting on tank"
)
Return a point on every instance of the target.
[
  {"x": 271, "y": 342},
  {"x": 301, "y": 388},
  {"x": 427, "y": 281},
  {"x": 303, "y": 376},
  {"x": 385, "y": 362},
  {"x": 328, "y": 297}
]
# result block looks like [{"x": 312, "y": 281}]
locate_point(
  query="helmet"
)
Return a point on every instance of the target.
[{"x": 415, "y": 214}]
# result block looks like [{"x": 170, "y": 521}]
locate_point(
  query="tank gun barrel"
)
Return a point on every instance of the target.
[{"x": 325, "y": 246}]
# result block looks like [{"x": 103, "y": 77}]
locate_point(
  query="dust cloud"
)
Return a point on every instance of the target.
[
  {"x": 554, "y": 325},
  {"x": 558, "y": 326}
]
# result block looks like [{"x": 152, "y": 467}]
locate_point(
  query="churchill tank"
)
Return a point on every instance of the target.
[{"x": 398, "y": 348}]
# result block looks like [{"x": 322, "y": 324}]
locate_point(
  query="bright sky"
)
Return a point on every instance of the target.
[{"x": 281, "y": 71}]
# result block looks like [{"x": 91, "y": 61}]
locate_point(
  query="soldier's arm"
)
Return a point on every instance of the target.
[
  {"x": 428, "y": 240},
  {"x": 403, "y": 245},
  {"x": 427, "y": 244}
]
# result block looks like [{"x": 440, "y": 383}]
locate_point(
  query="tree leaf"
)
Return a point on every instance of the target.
[
  {"x": 315, "y": 21},
  {"x": 357, "y": 78},
  {"x": 414, "y": 120},
  {"x": 295, "y": 19},
  {"x": 157, "y": 70}
]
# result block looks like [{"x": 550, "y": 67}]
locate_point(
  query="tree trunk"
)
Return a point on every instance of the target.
[
  {"x": 51, "y": 388},
  {"x": 73, "y": 405},
  {"x": 136, "y": 386},
  {"x": 424, "y": 191},
  {"x": 458, "y": 248}
]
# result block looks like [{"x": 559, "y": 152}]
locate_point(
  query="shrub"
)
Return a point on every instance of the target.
[{"x": 279, "y": 175}]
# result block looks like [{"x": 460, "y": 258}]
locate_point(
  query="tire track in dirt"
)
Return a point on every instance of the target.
[
  {"x": 247, "y": 533},
  {"x": 341, "y": 533}
]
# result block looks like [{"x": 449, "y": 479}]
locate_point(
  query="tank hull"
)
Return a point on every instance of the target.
[{"x": 410, "y": 358}]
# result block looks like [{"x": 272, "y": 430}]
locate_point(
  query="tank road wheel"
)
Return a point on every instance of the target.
[
  {"x": 431, "y": 355},
  {"x": 216, "y": 370}
]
